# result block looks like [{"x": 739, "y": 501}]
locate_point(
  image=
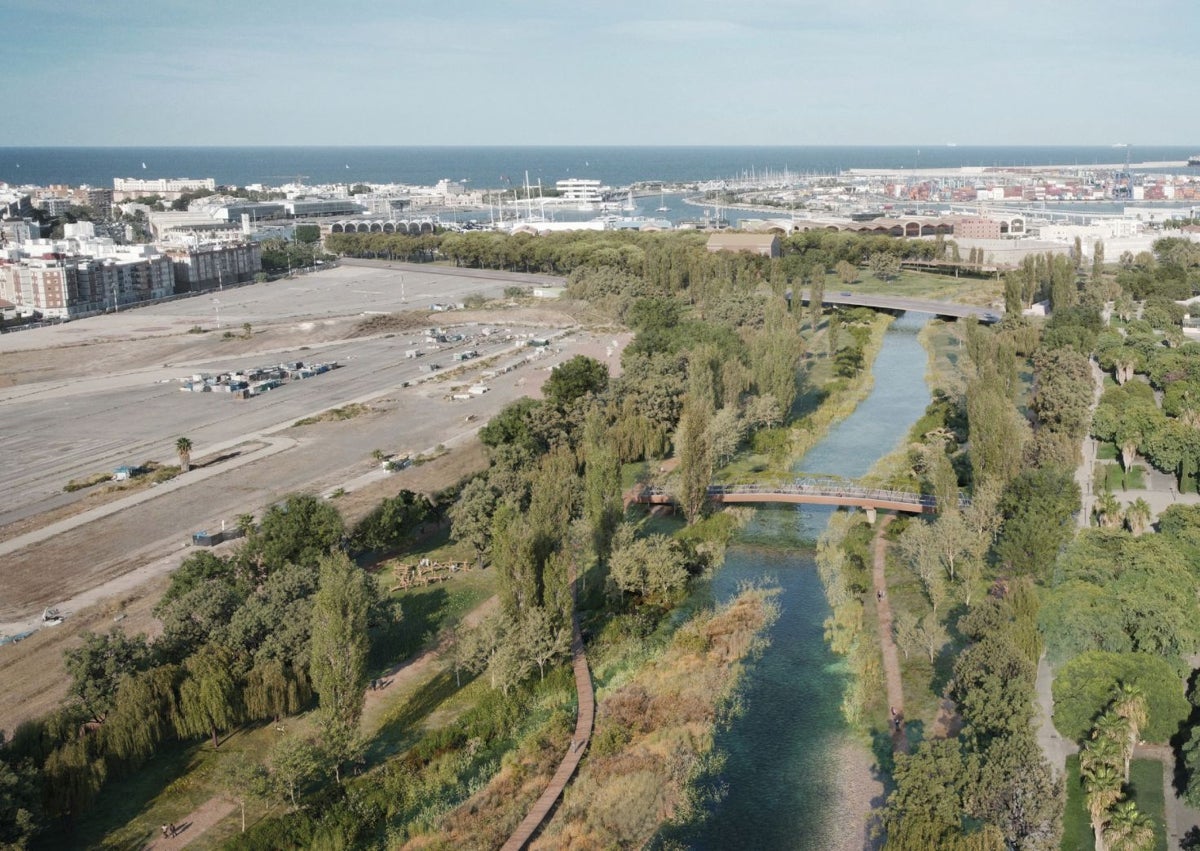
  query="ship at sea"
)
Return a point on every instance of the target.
[{"x": 1194, "y": 159}]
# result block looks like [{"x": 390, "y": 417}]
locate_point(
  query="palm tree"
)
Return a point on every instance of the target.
[
  {"x": 1129, "y": 829},
  {"x": 1130, "y": 703},
  {"x": 1102, "y": 785},
  {"x": 184, "y": 447},
  {"x": 1137, "y": 515},
  {"x": 1116, "y": 728},
  {"x": 1108, "y": 511},
  {"x": 1099, "y": 752}
]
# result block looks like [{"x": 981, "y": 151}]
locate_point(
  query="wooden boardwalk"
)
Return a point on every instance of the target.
[{"x": 579, "y": 742}]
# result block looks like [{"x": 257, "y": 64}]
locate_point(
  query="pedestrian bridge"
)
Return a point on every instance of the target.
[{"x": 808, "y": 491}]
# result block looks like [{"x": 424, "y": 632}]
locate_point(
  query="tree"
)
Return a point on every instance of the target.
[
  {"x": 993, "y": 685},
  {"x": 1083, "y": 689},
  {"x": 394, "y": 522},
  {"x": 1102, "y": 786},
  {"x": 1137, "y": 515},
  {"x": 142, "y": 714},
  {"x": 241, "y": 778},
  {"x": 1129, "y": 703},
  {"x": 274, "y": 689},
  {"x": 847, "y": 272},
  {"x": 1129, "y": 829},
  {"x": 602, "y": 507},
  {"x": 884, "y": 265},
  {"x": 1038, "y": 506},
  {"x": 339, "y": 652},
  {"x": 1116, "y": 729},
  {"x": 578, "y": 377},
  {"x": 299, "y": 530},
  {"x": 471, "y": 516},
  {"x": 544, "y": 638},
  {"x": 20, "y": 803},
  {"x": 96, "y": 668},
  {"x": 907, "y": 632},
  {"x": 925, "y": 809},
  {"x": 653, "y": 567},
  {"x": 933, "y": 636},
  {"x": 208, "y": 694},
  {"x": 183, "y": 446},
  {"x": 816, "y": 299},
  {"x": 695, "y": 461},
  {"x": 1011, "y": 786},
  {"x": 294, "y": 762},
  {"x": 71, "y": 779}
]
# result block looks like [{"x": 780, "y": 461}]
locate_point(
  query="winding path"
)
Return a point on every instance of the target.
[
  {"x": 887, "y": 645},
  {"x": 583, "y": 733}
]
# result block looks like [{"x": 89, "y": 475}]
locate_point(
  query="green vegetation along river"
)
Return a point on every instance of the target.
[{"x": 787, "y": 749}]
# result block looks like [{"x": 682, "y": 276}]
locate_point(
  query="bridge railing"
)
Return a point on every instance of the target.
[{"x": 834, "y": 488}]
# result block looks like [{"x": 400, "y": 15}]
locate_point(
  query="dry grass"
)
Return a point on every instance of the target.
[{"x": 654, "y": 734}]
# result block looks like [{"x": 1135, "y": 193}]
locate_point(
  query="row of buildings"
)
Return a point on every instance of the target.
[{"x": 84, "y": 274}]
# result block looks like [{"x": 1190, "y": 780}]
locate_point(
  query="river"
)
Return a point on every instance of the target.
[{"x": 787, "y": 749}]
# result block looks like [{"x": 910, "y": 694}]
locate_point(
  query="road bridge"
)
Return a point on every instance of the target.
[
  {"x": 809, "y": 491},
  {"x": 942, "y": 309}
]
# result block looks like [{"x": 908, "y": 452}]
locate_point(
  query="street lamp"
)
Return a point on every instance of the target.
[{"x": 217, "y": 307}]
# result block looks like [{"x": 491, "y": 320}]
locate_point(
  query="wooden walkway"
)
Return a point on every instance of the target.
[{"x": 583, "y": 734}]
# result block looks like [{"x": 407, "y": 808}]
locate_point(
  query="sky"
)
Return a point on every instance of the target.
[{"x": 578, "y": 72}]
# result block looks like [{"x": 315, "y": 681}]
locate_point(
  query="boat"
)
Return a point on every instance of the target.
[
  {"x": 662, "y": 203},
  {"x": 1194, "y": 159}
]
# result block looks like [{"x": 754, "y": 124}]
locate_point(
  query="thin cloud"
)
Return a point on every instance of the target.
[{"x": 679, "y": 31}]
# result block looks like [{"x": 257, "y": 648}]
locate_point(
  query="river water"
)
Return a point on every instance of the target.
[{"x": 785, "y": 751}]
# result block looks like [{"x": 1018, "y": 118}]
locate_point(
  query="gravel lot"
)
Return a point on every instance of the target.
[{"x": 89, "y": 395}]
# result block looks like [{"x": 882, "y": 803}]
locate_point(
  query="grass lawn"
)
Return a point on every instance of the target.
[
  {"x": 1077, "y": 827},
  {"x": 1145, "y": 788},
  {"x": 1114, "y": 478},
  {"x": 1106, "y": 451}
]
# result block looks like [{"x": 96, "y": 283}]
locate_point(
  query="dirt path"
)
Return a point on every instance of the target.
[
  {"x": 891, "y": 657},
  {"x": 192, "y": 826}
]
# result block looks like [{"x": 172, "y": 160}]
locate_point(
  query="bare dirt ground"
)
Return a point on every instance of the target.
[
  {"x": 35, "y": 681},
  {"x": 115, "y": 570}
]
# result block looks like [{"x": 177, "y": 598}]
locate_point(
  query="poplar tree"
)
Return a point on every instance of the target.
[
  {"x": 695, "y": 460},
  {"x": 339, "y": 652}
]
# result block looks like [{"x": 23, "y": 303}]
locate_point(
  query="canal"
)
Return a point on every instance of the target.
[{"x": 787, "y": 752}]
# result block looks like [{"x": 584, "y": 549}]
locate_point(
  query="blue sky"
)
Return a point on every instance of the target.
[{"x": 562, "y": 72}]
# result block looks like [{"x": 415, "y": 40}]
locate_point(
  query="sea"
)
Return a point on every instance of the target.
[{"x": 501, "y": 167}]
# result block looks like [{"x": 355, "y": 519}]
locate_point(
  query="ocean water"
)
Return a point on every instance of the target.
[{"x": 503, "y": 166}]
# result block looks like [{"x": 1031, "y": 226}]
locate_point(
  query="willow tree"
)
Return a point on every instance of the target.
[
  {"x": 208, "y": 694},
  {"x": 339, "y": 652}
]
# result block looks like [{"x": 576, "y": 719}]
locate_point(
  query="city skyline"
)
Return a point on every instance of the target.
[{"x": 665, "y": 72}]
